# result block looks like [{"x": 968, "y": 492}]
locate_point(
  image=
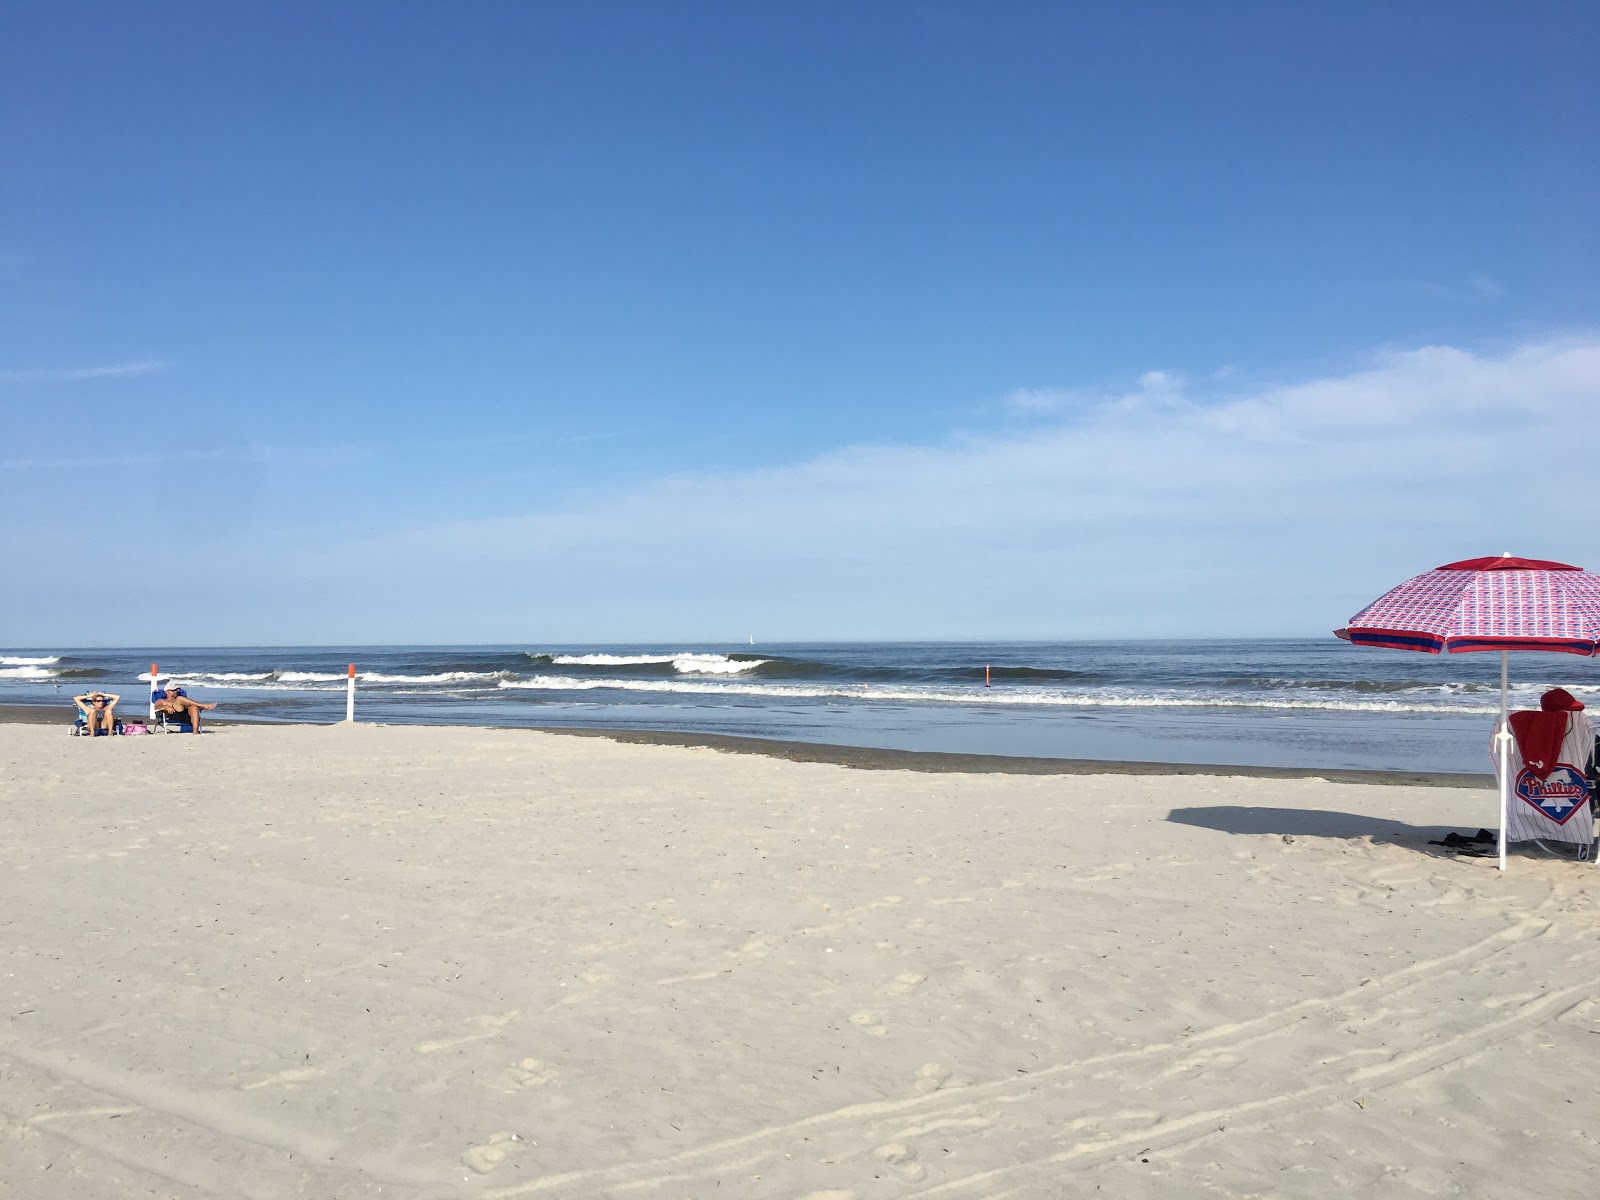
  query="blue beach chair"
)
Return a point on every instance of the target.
[
  {"x": 170, "y": 722},
  {"x": 80, "y": 727}
]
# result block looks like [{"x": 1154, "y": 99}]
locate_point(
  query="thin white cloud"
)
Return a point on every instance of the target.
[
  {"x": 82, "y": 374},
  {"x": 1037, "y": 402},
  {"x": 100, "y": 462},
  {"x": 1424, "y": 449},
  {"x": 1164, "y": 513},
  {"x": 1160, "y": 381},
  {"x": 1032, "y": 402},
  {"x": 302, "y": 455}
]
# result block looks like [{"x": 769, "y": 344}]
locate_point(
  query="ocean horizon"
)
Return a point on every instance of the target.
[{"x": 1312, "y": 703}]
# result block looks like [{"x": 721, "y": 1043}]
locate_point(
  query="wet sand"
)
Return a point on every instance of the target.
[{"x": 875, "y": 759}]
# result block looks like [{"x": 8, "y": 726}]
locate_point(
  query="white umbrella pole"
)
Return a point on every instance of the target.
[{"x": 1505, "y": 752}]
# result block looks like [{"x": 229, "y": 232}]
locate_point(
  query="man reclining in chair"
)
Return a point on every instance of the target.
[{"x": 174, "y": 703}]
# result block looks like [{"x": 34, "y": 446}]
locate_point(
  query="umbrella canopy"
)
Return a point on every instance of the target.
[{"x": 1479, "y": 604}]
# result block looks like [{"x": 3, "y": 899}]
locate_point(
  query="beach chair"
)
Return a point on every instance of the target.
[
  {"x": 1551, "y": 760},
  {"x": 1594, "y": 778},
  {"x": 80, "y": 727},
  {"x": 170, "y": 722}
]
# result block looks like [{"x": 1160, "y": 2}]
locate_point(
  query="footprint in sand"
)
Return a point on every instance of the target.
[
  {"x": 931, "y": 1077},
  {"x": 490, "y": 1154},
  {"x": 489, "y": 1025},
  {"x": 1510, "y": 998},
  {"x": 870, "y": 1022},
  {"x": 903, "y": 983},
  {"x": 283, "y": 1078},
  {"x": 902, "y": 1158},
  {"x": 757, "y": 947},
  {"x": 1201, "y": 1062},
  {"x": 530, "y": 1072}
]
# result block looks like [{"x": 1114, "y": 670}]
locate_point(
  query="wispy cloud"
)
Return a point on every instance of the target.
[
  {"x": 1059, "y": 401},
  {"x": 1032, "y": 402},
  {"x": 301, "y": 455},
  {"x": 1153, "y": 511},
  {"x": 104, "y": 462},
  {"x": 81, "y": 374},
  {"x": 1169, "y": 509}
]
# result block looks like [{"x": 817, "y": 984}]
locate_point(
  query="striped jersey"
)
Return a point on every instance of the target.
[{"x": 1556, "y": 808}]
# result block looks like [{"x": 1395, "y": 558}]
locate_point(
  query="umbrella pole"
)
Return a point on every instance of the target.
[{"x": 1505, "y": 751}]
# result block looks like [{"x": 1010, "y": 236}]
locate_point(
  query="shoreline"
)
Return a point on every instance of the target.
[
  {"x": 931, "y": 762},
  {"x": 869, "y": 758}
]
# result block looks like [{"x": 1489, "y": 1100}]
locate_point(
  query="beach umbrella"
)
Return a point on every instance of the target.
[{"x": 1485, "y": 604}]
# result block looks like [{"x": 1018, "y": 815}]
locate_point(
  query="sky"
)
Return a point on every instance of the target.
[{"x": 401, "y": 322}]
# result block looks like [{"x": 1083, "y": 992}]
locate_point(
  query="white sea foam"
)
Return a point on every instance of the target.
[
  {"x": 686, "y": 663},
  {"x": 287, "y": 681},
  {"x": 27, "y": 672},
  {"x": 253, "y": 685},
  {"x": 11, "y": 660},
  {"x": 1033, "y": 697},
  {"x": 205, "y": 678},
  {"x": 714, "y": 664},
  {"x": 297, "y": 680},
  {"x": 441, "y": 677},
  {"x": 608, "y": 660}
]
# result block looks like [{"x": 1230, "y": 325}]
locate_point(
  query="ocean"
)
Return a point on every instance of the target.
[{"x": 1315, "y": 703}]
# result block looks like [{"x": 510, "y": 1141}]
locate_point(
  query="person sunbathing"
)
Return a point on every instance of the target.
[
  {"x": 99, "y": 711},
  {"x": 175, "y": 704}
]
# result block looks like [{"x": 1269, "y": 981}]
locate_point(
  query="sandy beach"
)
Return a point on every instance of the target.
[{"x": 360, "y": 961}]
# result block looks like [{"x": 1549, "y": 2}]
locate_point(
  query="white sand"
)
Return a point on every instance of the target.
[{"x": 357, "y": 961}]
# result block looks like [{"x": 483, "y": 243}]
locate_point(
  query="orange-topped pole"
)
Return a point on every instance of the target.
[
  {"x": 152, "y": 692},
  {"x": 350, "y": 695}
]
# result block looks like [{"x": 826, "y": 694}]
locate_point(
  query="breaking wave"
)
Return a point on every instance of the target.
[
  {"x": 1271, "y": 682},
  {"x": 684, "y": 663},
  {"x": 1036, "y": 698},
  {"x": 437, "y": 677}
]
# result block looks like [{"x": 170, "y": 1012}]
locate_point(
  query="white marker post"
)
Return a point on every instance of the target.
[
  {"x": 350, "y": 695},
  {"x": 152, "y": 694}
]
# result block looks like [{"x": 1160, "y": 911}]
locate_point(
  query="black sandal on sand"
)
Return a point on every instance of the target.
[
  {"x": 1464, "y": 840},
  {"x": 1468, "y": 843}
]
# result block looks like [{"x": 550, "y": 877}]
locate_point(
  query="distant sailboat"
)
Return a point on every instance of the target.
[{"x": 752, "y": 639}]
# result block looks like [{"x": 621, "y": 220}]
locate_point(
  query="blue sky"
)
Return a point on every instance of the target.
[{"x": 495, "y": 322}]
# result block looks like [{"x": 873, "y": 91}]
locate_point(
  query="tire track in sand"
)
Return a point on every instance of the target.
[{"x": 863, "y": 1129}]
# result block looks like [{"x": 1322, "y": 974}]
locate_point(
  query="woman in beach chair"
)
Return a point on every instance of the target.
[
  {"x": 174, "y": 708},
  {"x": 98, "y": 711}
]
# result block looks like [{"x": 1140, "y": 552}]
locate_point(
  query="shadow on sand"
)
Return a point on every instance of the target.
[{"x": 1311, "y": 822}]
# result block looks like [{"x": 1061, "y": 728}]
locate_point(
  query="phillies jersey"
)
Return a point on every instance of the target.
[{"x": 1555, "y": 808}]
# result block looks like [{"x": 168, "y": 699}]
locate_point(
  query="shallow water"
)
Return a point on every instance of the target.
[{"x": 1305, "y": 703}]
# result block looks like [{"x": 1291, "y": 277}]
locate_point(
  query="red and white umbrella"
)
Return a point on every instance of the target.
[{"x": 1483, "y": 604}]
